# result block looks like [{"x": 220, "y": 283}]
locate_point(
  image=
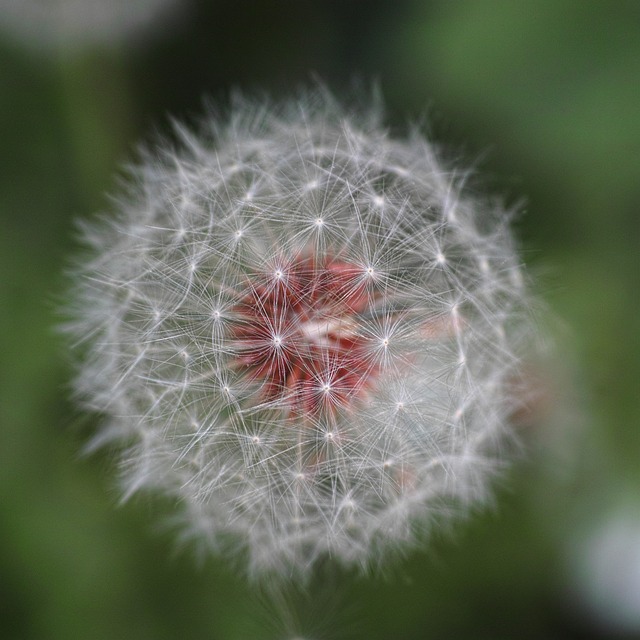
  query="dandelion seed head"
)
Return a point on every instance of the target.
[{"x": 291, "y": 367}]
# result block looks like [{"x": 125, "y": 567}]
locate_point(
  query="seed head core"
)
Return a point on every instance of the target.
[{"x": 297, "y": 331}]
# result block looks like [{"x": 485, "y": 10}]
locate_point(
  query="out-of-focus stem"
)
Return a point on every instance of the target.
[{"x": 96, "y": 99}]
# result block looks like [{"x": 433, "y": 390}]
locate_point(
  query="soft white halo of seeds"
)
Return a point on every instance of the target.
[{"x": 156, "y": 294}]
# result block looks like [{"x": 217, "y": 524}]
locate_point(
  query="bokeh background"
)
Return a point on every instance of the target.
[{"x": 544, "y": 97}]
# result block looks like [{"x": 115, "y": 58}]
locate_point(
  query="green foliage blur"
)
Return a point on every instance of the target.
[{"x": 543, "y": 96}]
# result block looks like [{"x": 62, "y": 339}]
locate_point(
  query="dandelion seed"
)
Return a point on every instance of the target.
[{"x": 302, "y": 394}]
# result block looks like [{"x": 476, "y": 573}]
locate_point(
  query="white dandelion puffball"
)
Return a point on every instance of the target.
[
  {"x": 73, "y": 23},
  {"x": 302, "y": 331}
]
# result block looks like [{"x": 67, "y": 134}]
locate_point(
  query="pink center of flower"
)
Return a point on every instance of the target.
[{"x": 297, "y": 331}]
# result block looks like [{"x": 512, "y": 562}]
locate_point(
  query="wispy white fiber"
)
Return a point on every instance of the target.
[{"x": 304, "y": 331}]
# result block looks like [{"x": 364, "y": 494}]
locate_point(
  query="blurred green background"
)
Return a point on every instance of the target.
[{"x": 544, "y": 96}]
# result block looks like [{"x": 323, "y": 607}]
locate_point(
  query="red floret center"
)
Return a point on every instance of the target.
[{"x": 297, "y": 331}]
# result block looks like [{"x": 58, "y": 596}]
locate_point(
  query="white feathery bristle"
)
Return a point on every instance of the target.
[{"x": 304, "y": 331}]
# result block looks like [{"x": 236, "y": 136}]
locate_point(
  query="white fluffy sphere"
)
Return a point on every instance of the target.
[{"x": 304, "y": 331}]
